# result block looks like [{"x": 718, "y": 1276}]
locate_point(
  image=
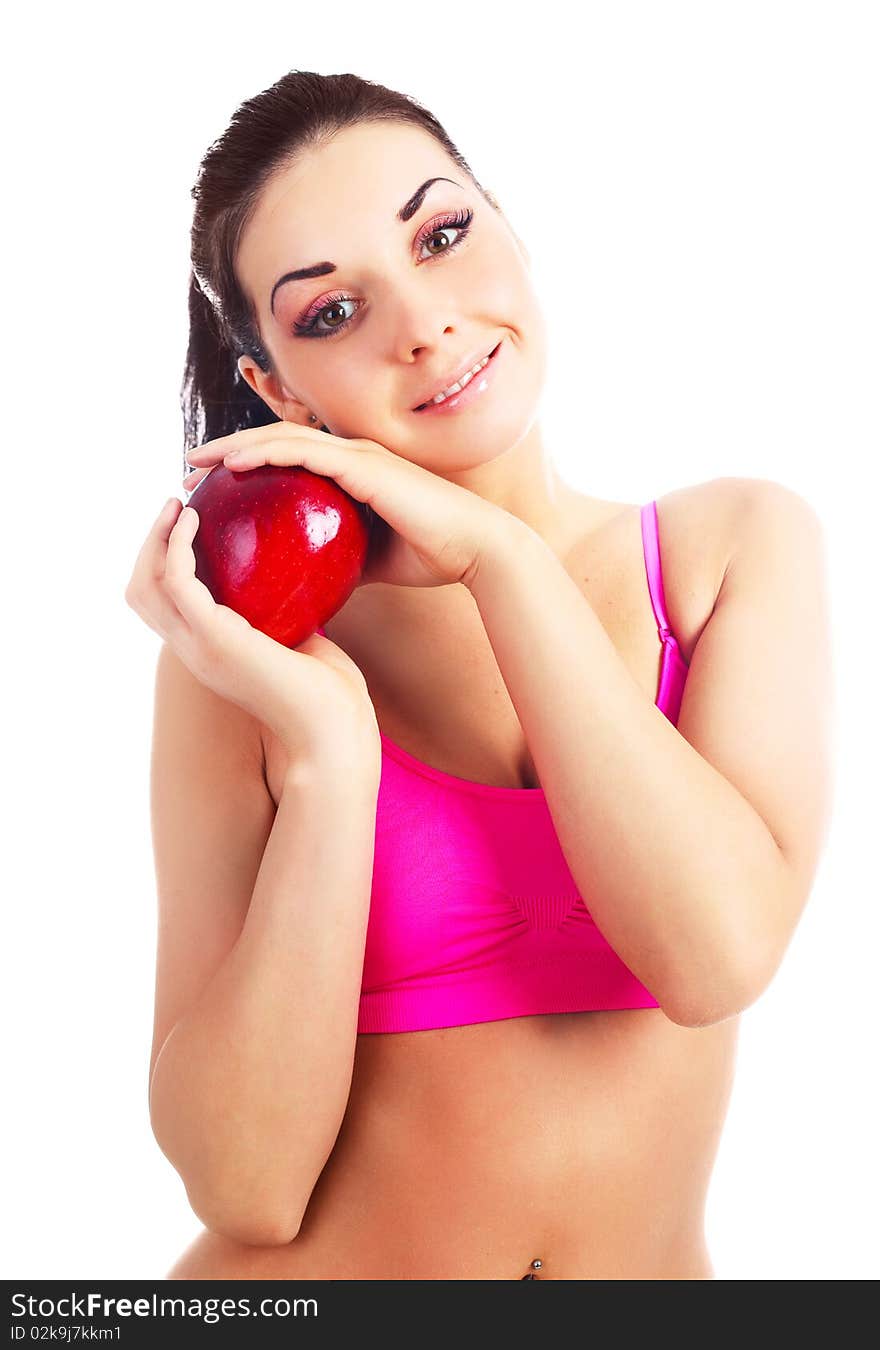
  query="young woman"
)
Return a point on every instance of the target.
[{"x": 460, "y": 901}]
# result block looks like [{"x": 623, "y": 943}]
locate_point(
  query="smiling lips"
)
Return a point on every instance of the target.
[{"x": 459, "y": 383}]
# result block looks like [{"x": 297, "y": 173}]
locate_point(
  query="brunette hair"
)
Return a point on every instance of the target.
[{"x": 302, "y": 110}]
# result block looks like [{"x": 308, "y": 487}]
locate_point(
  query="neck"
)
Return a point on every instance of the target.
[{"x": 524, "y": 481}]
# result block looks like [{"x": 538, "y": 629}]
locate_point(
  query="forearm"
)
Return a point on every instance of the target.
[
  {"x": 250, "y": 1088},
  {"x": 673, "y": 863}
]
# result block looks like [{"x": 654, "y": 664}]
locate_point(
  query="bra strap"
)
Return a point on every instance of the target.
[{"x": 651, "y": 549}]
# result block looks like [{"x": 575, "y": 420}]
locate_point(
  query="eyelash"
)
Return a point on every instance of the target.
[{"x": 461, "y": 221}]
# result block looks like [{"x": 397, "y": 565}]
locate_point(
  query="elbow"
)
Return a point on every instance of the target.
[
  {"x": 257, "y": 1231},
  {"x": 729, "y": 993},
  {"x": 252, "y": 1228},
  {"x": 696, "y": 1012},
  {"x": 254, "y": 1220}
]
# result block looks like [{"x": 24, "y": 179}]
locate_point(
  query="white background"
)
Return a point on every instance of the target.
[{"x": 697, "y": 185}]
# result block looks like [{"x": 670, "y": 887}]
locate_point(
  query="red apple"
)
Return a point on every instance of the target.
[{"x": 282, "y": 546}]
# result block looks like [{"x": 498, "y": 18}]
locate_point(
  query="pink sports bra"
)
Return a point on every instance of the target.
[{"x": 474, "y": 914}]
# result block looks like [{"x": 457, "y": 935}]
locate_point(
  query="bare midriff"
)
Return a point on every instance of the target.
[{"x": 583, "y": 1142}]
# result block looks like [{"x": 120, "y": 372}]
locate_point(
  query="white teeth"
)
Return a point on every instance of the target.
[{"x": 460, "y": 384}]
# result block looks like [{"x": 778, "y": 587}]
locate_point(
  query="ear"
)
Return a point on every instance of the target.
[{"x": 274, "y": 394}]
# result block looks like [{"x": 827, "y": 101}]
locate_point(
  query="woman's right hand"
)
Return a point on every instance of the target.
[{"x": 302, "y": 694}]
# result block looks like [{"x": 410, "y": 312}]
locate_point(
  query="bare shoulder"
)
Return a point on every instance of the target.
[
  {"x": 701, "y": 527},
  {"x": 764, "y": 501},
  {"x": 700, "y": 521},
  {"x": 718, "y": 515}
]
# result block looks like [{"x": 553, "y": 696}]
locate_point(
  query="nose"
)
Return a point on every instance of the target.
[
  {"x": 417, "y": 349},
  {"x": 419, "y": 318}
]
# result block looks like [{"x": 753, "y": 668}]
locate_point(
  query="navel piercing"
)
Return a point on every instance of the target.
[{"x": 536, "y": 1265}]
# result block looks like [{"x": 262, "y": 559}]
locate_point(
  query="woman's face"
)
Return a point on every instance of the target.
[{"x": 410, "y": 302}]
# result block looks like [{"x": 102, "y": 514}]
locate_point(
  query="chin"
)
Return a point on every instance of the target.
[
  {"x": 467, "y": 446},
  {"x": 451, "y": 460}
]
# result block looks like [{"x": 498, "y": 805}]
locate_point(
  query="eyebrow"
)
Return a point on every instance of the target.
[{"x": 321, "y": 269}]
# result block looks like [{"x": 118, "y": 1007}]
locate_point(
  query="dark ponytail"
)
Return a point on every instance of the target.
[
  {"x": 300, "y": 111},
  {"x": 215, "y": 399}
]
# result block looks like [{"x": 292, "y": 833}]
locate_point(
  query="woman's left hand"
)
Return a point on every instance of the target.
[{"x": 426, "y": 531}]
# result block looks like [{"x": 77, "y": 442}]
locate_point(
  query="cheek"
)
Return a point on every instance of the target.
[
  {"x": 357, "y": 405},
  {"x": 347, "y": 377},
  {"x": 503, "y": 288}
]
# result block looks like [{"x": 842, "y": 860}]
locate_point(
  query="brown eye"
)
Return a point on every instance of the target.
[
  {"x": 459, "y": 224},
  {"x": 438, "y": 234},
  {"x": 328, "y": 310}
]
